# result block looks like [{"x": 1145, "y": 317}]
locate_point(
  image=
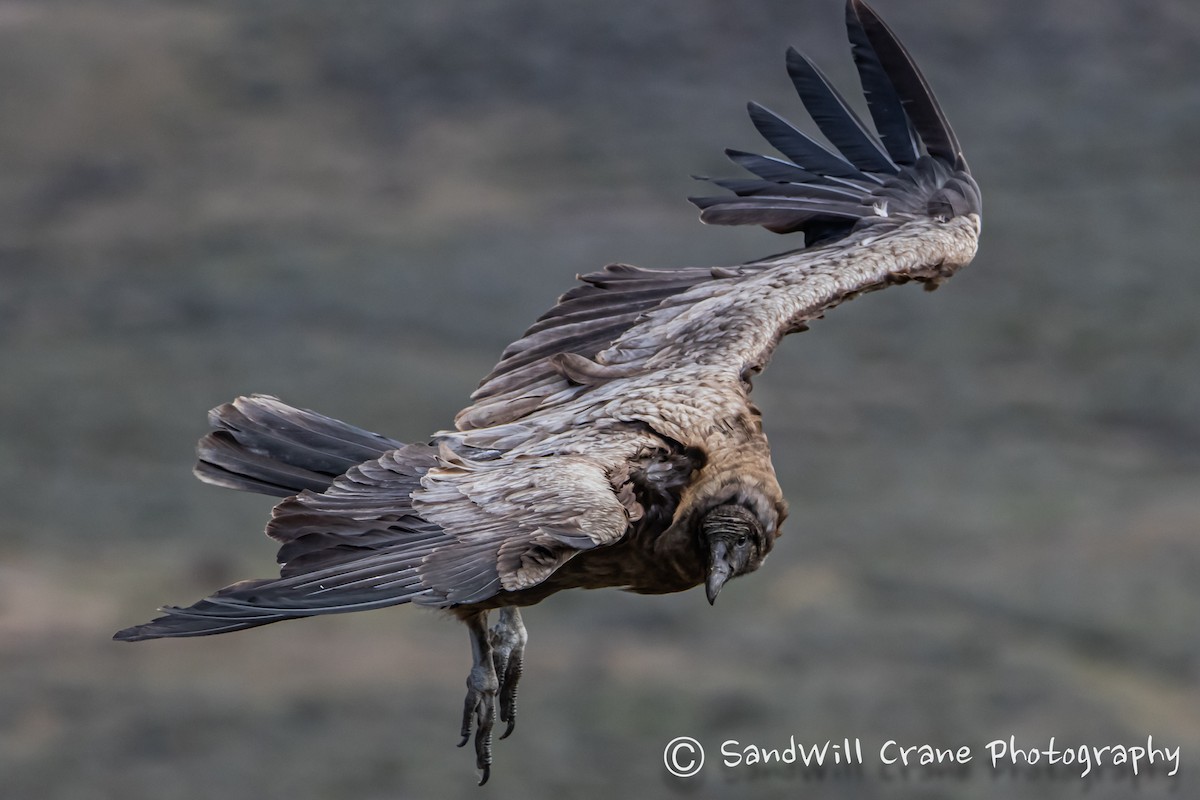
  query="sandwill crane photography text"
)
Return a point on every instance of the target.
[{"x": 685, "y": 756}]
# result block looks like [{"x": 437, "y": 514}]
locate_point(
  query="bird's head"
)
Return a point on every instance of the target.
[{"x": 736, "y": 542}]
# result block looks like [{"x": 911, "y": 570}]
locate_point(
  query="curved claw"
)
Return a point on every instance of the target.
[
  {"x": 479, "y": 712},
  {"x": 479, "y": 707},
  {"x": 509, "y": 678},
  {"x": 483, "y": 744},
  {"x": 468, "y": 710},
  {"x": 508, "y": 638}
]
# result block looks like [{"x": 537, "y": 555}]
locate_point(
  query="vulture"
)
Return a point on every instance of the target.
[{"x": 615, "y": 443}]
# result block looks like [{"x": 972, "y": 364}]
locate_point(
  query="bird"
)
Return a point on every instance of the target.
[{"x": 615, "y": 444}]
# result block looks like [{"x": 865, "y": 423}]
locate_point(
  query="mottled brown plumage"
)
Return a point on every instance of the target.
[{"x": 615, "y": 443}]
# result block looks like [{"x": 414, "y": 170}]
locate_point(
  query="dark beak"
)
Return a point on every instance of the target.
[{"x": 718, "y": 572}]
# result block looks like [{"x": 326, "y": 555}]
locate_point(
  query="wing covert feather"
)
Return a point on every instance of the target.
[{"x": 717, "y": 321}]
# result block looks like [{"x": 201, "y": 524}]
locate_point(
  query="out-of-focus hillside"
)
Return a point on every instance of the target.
[{"x": 995, "y": 519}]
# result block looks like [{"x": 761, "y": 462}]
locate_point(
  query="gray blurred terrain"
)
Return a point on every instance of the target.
[{"x": 995, "y": 489}]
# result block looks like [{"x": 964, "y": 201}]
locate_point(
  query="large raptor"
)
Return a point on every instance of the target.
[{"x": 615, "y": 443}]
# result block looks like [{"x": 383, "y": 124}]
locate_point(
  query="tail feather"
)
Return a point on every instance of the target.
[{"x": 263, "y": 445}]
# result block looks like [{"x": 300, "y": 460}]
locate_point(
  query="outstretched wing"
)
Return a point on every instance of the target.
[
  {"x": 440, "y": 525},
  {"x": 356, "y": 545},
  {"x": 886, "y": 208}
]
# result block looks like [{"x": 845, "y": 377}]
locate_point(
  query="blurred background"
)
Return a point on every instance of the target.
[{"x": 995, "y": 519}]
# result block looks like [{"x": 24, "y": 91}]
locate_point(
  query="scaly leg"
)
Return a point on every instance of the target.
[
  {"x": 482, "y": 685},
  {"x": 508, "y": 639}
]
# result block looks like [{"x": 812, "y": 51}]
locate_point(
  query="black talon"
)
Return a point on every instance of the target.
[
  {"x": 483, "y": 748},
  {"x": 508, "y": 692},
  {"x": 508, "y": 640},
  {"x": 480, "y": 703},
  {"x": 467, "y": 710}
]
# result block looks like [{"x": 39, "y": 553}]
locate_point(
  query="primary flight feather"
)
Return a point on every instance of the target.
[{"x": 615, "y": 443}]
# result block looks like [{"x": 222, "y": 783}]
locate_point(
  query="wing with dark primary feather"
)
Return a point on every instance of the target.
[
  {"x": 354, "y": 545},
  {"x": 430, "y": 524},
  {"x": 875, "y": 210}
]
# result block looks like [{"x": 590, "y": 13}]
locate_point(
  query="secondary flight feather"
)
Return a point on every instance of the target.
[{"x": 615, "y": 443}]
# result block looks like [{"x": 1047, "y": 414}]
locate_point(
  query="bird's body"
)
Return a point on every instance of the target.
[{"x": 615, "y": 444}]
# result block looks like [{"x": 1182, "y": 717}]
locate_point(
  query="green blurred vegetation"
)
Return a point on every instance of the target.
[{"x": 355, "y": 206}]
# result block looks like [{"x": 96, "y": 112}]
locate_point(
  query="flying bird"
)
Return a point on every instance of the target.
[{"x": 615, "y": 443}]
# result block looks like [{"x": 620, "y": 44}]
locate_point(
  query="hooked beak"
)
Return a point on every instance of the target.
[{"x": 718, "y": 572}]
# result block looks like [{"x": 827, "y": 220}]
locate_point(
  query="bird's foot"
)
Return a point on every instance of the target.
[
  {"x": 480, "y": 705},
  {"x": 508, "y": 638}
]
